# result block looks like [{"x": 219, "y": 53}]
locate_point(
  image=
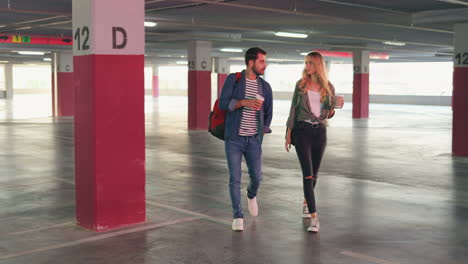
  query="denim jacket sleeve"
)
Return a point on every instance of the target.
[
  {"x": 226, "y": 100},
  {"x": 268, "y": 109}
]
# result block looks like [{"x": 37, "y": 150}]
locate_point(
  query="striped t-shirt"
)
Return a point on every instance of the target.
[{"x": 249, "y": 119}]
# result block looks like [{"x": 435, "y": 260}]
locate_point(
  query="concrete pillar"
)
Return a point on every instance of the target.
[
  {"x": 108, "y": 51},
  {"x": 199, "y": 84},
  {"x": 328, "y": 65},
  {"x": 460, "y": 92},
  {"x": 155, "y": 81},
  {"x": 222, "y": 69},
  {"x": 9, "y": 81},
  {"x": 54, "y": 84},
  {"x": 361, "y": 84},
  {"x": 65, "y": 94}
]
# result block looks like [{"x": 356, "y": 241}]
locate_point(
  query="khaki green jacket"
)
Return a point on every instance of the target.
[{"x": 301, "y": 110}]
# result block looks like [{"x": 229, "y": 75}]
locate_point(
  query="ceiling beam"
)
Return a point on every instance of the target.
[
  {"x": 36, "y": 12},
  {"x": 364, "y": 6},
  {"x": 455, "y": 15},
  {"x": 308, "y": 14},
  {"x": 250, "y": 29}
]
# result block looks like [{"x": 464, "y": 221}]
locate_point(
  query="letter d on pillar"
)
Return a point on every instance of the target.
[{"x": 114, "y": 38}]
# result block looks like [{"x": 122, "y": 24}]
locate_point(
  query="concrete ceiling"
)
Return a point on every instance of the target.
[{"x": 426, "y": 26}]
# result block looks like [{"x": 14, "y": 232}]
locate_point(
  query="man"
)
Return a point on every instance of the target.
[{"x": 248, "y": 101}]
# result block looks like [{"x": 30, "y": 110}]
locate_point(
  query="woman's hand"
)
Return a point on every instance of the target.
[
  {"x": 287, "y": 143},
  {"x": 339, "y": 102}
]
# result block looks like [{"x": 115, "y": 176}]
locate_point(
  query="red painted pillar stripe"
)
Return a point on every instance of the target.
[
  {"x": 361, "y": 95},
  {"x": 155, "y": 86},
  {"x": 199, "y": 84},
  {"x": 222, "y": 68},
  {"x": 199, "y": 99},
  {"x": 53, "y": 93},
  {"x": 109, "y": 113},
  {"x": 65, "y": 93},
  {"x": 66, "y": 101},
  {"x": 221, "y": 79},
  {"x": 460, "y": 92},
  {"x": 361, "y": 84},
  {"x": 109, "y": 137},
  {"x": 460, "y": 111}
]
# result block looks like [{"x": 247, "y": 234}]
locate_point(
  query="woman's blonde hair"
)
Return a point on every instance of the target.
[{"x": 320, "y": 76}]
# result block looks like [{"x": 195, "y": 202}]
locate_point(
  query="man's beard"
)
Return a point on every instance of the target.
[{"x": 254, "y": 69}]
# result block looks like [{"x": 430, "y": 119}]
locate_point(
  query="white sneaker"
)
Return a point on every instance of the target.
[
  {"x": 314, "y": 225},
  {"x": 253, "y": 206},
  {"x": 305, "y": 211},
  {"x": 238, "y": 224}
]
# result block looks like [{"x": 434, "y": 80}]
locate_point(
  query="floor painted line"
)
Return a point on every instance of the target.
[
  {"x": 72, "y": 182},
  {"x": 48, "y": 180},
  {"x": 367, "y": 258},
  {"x": 41, "y": 228},
  {"x": 99, "y": 237},
  {"x": 207, "y": 217},
  {"x": 25, "y": 185},
  {"x": 224, "y": 201}
]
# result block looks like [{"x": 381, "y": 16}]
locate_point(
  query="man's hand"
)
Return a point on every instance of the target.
[{"x": 253, "y": 104}]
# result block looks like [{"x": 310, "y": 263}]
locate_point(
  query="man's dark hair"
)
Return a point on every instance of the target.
[{"x": 252, "y": 54}]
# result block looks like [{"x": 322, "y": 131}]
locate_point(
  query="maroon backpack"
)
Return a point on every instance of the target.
[{"x": 218, "y": 116}]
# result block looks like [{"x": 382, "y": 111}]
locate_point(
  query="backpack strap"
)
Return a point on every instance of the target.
[{"x": 238, "y": 76}]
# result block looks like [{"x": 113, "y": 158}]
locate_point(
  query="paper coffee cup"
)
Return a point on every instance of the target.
[{"x": 339, "y": 106}]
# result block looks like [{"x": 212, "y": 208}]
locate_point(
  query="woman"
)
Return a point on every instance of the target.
[{"x": 312, "y": 104}]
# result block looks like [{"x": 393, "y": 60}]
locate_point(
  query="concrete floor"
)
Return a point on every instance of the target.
[{"x": 389, "y": 192}]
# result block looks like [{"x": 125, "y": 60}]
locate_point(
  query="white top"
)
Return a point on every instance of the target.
[
  {"x": 314, "y": 102},
  {"x": 249, "y": 119}
]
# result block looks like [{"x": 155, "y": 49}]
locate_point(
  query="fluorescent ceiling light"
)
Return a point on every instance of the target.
[
  {"x": 150, "y": 24},
  {"x": 444, "y": 54},
  {"x": 291, "y": 35},
  {"x": 182, "y": 62},
  {"x": 31, "y": 53},
  {"x": 22, "y": 28},
  {"x": 47, "y": 59},
  {"x": 3, "y": 61},
  {"x": 394, "y": 43},
  {"x": 230, "y": 50}
]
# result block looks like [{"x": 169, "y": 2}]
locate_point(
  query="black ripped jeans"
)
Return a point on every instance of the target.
[{"x": 310, "y": 141}]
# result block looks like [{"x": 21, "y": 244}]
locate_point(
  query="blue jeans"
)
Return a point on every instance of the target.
[{"x": 251, "y": 149}]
